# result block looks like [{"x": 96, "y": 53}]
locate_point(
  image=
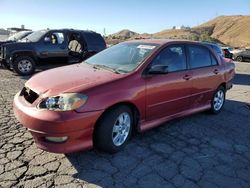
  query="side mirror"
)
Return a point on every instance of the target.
[
  {"x": 47, "y": 40},
  {"x": 158, "y": 69}
]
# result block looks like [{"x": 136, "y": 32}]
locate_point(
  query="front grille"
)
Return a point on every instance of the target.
[
  {"x": 29, "y": 95},
  {"x": 1, "y": 52}
]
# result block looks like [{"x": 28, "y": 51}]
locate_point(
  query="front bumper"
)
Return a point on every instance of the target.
[
  {"x": 6, "y": 63},
  {"x": 78, "y": 127}
]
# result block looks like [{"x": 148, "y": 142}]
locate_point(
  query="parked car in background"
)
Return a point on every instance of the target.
[
  {"x": 215, "y": 47},
  {"x": 62, "y": 45},
  {"x": 242, "y": 56},
  {"x": 227, "y": 53},
  {"x": 15, "y": 37},
  {"x": 235, "y": 50},
  {"x": 135, "y": 85}
]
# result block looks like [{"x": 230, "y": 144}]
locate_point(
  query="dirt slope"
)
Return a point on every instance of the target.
[{"x": 231, "y": 30}]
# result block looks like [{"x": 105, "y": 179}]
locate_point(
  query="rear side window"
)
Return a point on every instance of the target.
[
  {"x": 214, "y": 61},
  {"x": 173, "y": 57},
  {"x": 199, "y": 57},
  {"x": 95, "y": 41}
]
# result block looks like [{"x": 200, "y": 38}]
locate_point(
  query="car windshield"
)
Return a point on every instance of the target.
[
  {"x": 34, "y": 37},
  {"x": 122, "y": 58},
  {"x": 18, "y": 36}
]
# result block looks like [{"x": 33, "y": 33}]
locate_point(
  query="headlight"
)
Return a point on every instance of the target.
[{"x": 64, "y": 102}]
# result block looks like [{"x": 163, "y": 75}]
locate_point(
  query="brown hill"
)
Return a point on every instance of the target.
[
  {"x": 125, "y": 33},
  {"x": 176, "y": 33},
  {"x": 231, "y": 30}
]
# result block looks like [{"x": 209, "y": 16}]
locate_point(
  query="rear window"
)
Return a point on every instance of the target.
[{"x": 199, "y": 56}]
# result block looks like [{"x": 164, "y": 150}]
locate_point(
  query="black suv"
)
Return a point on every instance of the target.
[{"x": 63, "y": 45}]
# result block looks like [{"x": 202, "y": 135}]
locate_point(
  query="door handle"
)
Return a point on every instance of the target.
[
  {"x": 216, "y": 71},
  {"x": 45, "y": 53},
  {"x": 187, "y": 77}
]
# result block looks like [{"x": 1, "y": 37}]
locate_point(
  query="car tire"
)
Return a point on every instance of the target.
[
  {"x": 114, "y": 129},
  {"x": 218, "y": 100},
  {"x": 24, "y": 65},
  {"x": 239, "y": 58}
]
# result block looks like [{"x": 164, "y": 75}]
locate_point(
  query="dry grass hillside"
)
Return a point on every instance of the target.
[
  {"x": 125, "y": 33},
  {"x": 229, "y": 30},
  {"x": 176, "y": 33}
]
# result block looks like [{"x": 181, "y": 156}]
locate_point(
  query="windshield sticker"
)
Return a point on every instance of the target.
[{"x": 146, "y": 47}]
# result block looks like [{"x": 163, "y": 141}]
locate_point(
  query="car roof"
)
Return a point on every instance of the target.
[
  {"x": 70, "y": 30},
  {"x": 163, "y": 41},
  {"x": 211, "y": 44}
]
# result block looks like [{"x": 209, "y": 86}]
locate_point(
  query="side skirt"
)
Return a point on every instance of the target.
[{"x": 146, "y": 125}]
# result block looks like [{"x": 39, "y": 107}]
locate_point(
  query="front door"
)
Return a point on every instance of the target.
[
  {"x": 54, "y": 47},
  {"x": 168, "y": 94}
]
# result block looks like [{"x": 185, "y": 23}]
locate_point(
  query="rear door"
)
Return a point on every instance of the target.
[
  {"x": 205, "y": 70},
  {"x": 168, "y": 94}
]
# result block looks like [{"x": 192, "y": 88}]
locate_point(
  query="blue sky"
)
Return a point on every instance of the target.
[{"x": 113, "y": 15}]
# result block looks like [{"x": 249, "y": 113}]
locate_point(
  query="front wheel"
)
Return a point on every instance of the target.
[
  {"x": 24, "y": 65},
  {"x": 218, "y": 100},
  {"x": 114, "y": 129}
]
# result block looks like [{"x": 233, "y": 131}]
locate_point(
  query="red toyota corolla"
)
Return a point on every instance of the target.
[{"x": 134, "y": 85}]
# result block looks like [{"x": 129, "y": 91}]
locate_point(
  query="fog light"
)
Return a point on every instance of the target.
[{"x": 56, "y": 139}]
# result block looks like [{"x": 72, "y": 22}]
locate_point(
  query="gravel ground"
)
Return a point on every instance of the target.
[{"x": 198, "y": 151}]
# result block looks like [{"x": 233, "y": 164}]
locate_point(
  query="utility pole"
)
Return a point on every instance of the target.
[{"x": 104, "y": 32}]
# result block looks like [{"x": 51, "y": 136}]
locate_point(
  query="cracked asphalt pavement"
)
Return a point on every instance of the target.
[{"x": 201, "y": 150}]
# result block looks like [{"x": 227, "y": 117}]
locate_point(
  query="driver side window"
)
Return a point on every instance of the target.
[
  {"x": 173, "y": 57},
  {"x": 54, "y": 38}
]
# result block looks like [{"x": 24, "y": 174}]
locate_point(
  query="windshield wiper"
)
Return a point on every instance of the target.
[{"x": 97, "y": 66}]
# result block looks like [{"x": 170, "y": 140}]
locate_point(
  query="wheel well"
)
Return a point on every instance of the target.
[
  {"x": 223, "y": 85},
  {"x": 134, "y": 109},
  {"x": 19, "y": 54}
]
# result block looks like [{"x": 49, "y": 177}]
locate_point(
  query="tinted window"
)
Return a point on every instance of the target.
[
  {"x": 199, "y": 57},
  {"x": 174, "y": 57}
]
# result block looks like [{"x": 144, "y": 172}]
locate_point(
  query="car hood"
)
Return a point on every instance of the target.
[
  {"x": 5, "y": 42},
  {"x": 73, "y": 78},
  {"x": 18, "y": 45}
]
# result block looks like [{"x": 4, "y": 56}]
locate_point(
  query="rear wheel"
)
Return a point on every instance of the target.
[
  {"x": 218, "y": 100},
  {"x": 239, "y": 58},
  {"x": 24, "y": 65},
  {"x": 114, "y": 129}
]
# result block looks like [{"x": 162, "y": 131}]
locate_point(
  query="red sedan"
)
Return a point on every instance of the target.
[{"x": 131, "y": 86}]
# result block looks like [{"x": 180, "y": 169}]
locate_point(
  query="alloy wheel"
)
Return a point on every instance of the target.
[
  {"x": 121, "y": 129},
  {"x": 218, "y": 100}
]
